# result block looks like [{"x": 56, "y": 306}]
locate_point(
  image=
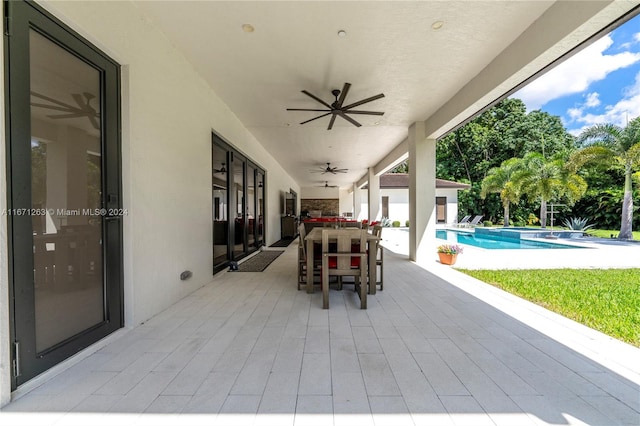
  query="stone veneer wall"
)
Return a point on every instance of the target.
[{"x": 328, "y": 206}]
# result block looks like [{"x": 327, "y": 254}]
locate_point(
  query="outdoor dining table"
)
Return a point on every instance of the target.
[{"x": 315, "y": 236}]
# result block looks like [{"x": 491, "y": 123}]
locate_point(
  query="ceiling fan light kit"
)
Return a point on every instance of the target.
[{"x": 337, "y": 109}]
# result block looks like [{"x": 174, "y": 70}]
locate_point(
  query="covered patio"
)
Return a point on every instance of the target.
[
  {"x": 189, "y": 116},
  {"x": 434, "y": 348}
]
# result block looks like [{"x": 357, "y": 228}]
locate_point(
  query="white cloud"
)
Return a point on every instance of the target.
[
  {"x": 576, "y": 113},
  {"x": 636, "y": 36},
  {"x": 593, "y": 100},
  {"x": 619, "y": 114},
  {"x": 576, "y": 74}
]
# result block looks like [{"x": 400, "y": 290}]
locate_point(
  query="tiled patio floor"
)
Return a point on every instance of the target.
[{"x": 250, "y": 349}]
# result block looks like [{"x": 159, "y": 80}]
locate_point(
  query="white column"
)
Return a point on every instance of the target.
[
  {"x": 422, "y": 194},
  {"x": 374, "y": 196},
  {"x": 357, "y": 202}
]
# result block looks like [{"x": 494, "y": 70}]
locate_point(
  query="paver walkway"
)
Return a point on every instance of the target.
[{"x": 250, "y": 349}]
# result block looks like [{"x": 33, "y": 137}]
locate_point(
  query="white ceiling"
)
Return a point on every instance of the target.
[{"x": 390, "y": 48}]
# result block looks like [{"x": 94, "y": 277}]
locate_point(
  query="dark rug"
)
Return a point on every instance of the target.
[
  {"x": 283, "y": 242},
  {"x": 260, "y": 261}
]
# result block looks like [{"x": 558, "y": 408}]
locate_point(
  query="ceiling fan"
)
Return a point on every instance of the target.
[
  {"x": 326, "y": 185},
  {"x": 221, "y": 169},
  {"x": 329, "y": 169},
  {"x": 337, "y": 109},
  {"x": 83, "y": 108}
]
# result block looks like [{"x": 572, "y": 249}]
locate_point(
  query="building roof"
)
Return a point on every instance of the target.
[{"x": 401, "y": 180}]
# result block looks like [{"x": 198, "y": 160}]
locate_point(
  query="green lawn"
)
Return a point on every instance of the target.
[
  {"x": 604, "y": 233},
  {"x": 607, "y": 300}
]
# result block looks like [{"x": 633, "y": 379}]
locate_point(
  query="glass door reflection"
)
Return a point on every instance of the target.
[
  {"x": 220, "y": 207},
  {"x": 66, "y": 186},
  {"x": 239, "y": 210},
  {"x": 251, "y": 208}
]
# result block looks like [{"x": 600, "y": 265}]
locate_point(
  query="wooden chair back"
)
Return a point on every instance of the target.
[{"x": 344, "y": 252}]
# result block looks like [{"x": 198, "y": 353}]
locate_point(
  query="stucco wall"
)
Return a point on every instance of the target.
[{"x": 399, "y": 203}]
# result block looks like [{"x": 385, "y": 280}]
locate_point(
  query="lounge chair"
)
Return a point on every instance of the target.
[
  {"x": 476, "y": 220},
  {"x": 463, "y": 222}
]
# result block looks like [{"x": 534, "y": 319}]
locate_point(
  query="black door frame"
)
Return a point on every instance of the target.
[{"x": 24, "y": 17}]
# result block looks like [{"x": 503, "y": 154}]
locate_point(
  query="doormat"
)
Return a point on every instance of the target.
[
  {"x": 283, "y": 242},
  {"x": 260, "y": 261}
]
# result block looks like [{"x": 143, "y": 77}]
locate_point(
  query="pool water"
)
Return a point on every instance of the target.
[{"x": 495, "y": 242}]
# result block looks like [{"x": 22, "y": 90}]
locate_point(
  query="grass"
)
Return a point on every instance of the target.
[
  {"x": 605, "y": 233},
  {"x": 607, "y": 300}
]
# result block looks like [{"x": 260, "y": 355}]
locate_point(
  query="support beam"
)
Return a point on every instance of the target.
[
  {"x": 357, "y": 202},
  {"x": 374, "y": 196},
  {"x": 422, "y": 193}
]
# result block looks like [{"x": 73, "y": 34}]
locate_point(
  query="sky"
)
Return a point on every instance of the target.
[{"x": 600, "y": 84}]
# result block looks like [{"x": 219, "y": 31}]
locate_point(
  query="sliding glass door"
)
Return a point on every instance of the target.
[{"x": 238, "y": 204}]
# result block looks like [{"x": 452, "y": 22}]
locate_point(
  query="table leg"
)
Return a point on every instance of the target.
[
  {"x": 309, "y": 266},
  {"x": 373, "y": 251}
]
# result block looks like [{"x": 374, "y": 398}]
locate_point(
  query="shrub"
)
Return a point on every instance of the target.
[
  {"x": 396, "y": 224},
  {"x": 532, "y": 220},
  {"x": 406, "y": 224},
  {"x": 487, "y": 223},
  {"x": 577, "y": 224}
]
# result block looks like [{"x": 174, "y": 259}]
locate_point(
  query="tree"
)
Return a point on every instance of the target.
[
  {"x": 502, "y": 132},
  {"x": 400, "y": 168},
  {"x": 614, "y": 145},
  {"x": 548, "y": 180},
  {"x": 499, "y": 180}
]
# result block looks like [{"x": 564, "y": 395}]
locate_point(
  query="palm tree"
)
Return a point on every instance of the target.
[
  {"x": 548, "y": 180},
  {"x": 498, "y": 180},
  {"x": 609, "y": 144}
]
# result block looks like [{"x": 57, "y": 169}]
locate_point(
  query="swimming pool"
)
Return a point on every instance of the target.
[{"x": 496, "y": 242}]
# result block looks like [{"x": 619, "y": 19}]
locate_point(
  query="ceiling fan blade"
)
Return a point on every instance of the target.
[
  {"x": 307, "y": 109},
  {"x": 316, "y": 98},
  {"x": 349, "y": 119},
  {"x": 365, "y": 112},
  {"x": 94, "y": 122},
  {"x": 79, "y": 100},
  {"x": 54, "y": 101},
  {"x": 53, "y": 107},
  {"x": 333, "y": 119},
  {"x": 364, "y": 101},
  {"x": 74, "y": 115},
  {"x": 315, "y": 118},
  {"x": 343, "y": 94}
]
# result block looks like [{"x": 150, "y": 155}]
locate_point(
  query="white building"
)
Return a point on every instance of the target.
[{"x": 394, "y": 193}]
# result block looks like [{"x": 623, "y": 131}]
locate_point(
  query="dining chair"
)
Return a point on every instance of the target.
[
  {"x": 344, "y": 254},
  {"x": 302, "y": 258},
  {"x": 377, "y": 231}
]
